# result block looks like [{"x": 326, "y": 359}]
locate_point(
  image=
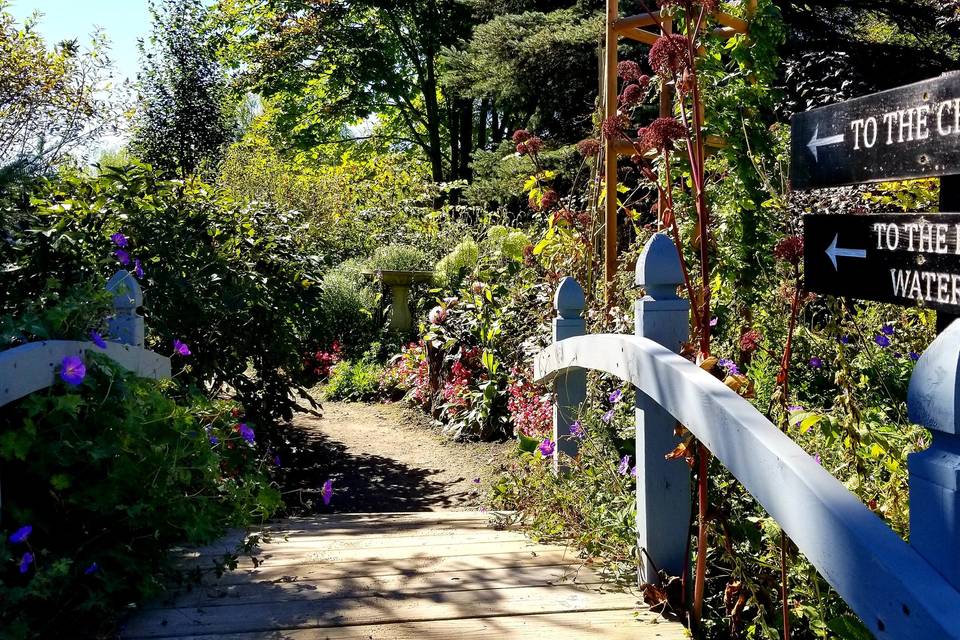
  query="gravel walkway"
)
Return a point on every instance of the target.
[{"x": 385, "y": 458}]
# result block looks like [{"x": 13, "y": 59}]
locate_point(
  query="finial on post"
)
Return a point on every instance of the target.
[
  {"x": 932, "y": 401},
  {"x": 126, "y": 325},
  {"x": 569, "y": 300},
  {"x": 658, "y": 268}
]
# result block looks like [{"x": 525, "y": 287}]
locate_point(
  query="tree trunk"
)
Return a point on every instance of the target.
[
  {"x": 495, "y": 130},
  {"x": 453, "y": 127},
  {"x": 482, "y": 123},
  {"x": 466, "y": 140},
  {"x": 432, "y": 107}
]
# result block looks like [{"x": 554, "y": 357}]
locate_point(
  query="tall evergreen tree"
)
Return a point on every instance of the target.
[{"x": 185, "y": 116}]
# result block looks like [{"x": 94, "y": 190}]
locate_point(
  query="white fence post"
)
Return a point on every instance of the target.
[
  {"x": 933, "y": 400},
  {"x": 571, "y": 387},
  {"x": 126, "y": 324},
  {"x": 663, "y": 487}
]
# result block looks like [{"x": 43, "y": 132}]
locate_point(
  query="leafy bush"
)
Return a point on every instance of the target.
[
  {"x": 230, "y": 280},
  {"x": 354, "y": 381},
  {"x": 396, "y": 257},
  {"x": 109, "y": 475},
  {"x": 348, "y": 305},
  {"x": 458, "y": 263}
]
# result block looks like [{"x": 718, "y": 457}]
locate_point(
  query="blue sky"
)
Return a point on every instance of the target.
[{"x": 122, "y": 20}]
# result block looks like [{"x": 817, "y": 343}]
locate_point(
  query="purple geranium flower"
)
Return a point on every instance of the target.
[
  {"x": 25, "y": 562},
  {"x": 816, "y": 458},
  {"x": 93, "y": 568},
  {"x": 616, "y": 396},
  {"x": 181, "y": 348},
  {"x": 816, "y": 363},
  {"x": 214, "y": 440},
  {"x": 246, "y": 432},
  {"x": 794, "y": 407},
  {"x": 844, "y": 339},
  {"x": 276, "y": 460},
  {"x": 633, "y": 472},
  {"x": 576, "y": 430},
  {"x": 547, "y": 447},
  {"x": 607, "y": 417},
  {"x": 138, "y": 269},
  {"x": 72, "y": 370},
  {"x": 327, "y": 492},
  {"x": 882, "y": 340},
  {"x": 714, "y": 321},
  {"x": 97, "y": 339},
  {"x": 21, "y": 534},
  {"x": 624, "y": 465},
  {"x": 119, "y": 239},
  {"x": 729, "y": 366},
  {"x": 122, "y": 256},
  {"x": 887, "y": 329},
  {"x": 914, "y": 356}
]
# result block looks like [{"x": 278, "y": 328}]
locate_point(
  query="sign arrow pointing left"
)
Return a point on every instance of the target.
[
  {"x": 833, "y": 251},
  {"x": 816, "y": 142}
]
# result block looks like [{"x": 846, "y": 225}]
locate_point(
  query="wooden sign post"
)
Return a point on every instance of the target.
[{"x": 908, "y": 132}]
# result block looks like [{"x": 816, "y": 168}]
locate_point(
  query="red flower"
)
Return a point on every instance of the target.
[
  {"x": 661, "y": 133},
  {"x": 521, "y": 135},
  {"x": 629, "y": 71},
  {"x": 750, "y": 341},
  {"x": 789, "y": 250},
  {"x": 632, "y": 94},
  {"x": 589, "y": 148},
  {"x": 549, "y": 200},
  {"x": 534, "y": 144},
  {"x": 668, "y": 55},
  {"x": 612, "y": 128}
]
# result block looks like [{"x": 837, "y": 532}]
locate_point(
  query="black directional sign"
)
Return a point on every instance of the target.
[
  {"x": 906, "y": 259},
  {"x": 908, "y": 132}
]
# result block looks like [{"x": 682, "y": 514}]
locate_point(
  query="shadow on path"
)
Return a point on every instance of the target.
[{"x": 362, "y": 482}]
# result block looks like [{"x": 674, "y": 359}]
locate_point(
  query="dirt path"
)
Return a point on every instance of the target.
[{"x": 385, "y": 458}]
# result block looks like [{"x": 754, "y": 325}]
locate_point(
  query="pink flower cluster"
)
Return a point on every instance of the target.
[
  {"x": 321, "y": 362},
  {"x": 531, "y": 408},
  {"x": 409, "y": 372}
]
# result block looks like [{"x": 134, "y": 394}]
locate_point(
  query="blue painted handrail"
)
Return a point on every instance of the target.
[{"x": 896, "y": 588}]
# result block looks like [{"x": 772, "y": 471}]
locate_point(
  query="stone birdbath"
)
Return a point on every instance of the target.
[{"x": 400, "y": 283}]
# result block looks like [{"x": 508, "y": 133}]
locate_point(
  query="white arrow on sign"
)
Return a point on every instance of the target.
[
  {"x": 816, "y": 142},
  {"x": 833, "y": 251}
]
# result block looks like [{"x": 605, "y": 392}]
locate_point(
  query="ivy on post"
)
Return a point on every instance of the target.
[
  {"x": 126, "y": 324},
  {"x": 571, "y": 387},
  {"x": 933, "y": 401},
  {"x": 663, "y": 487}
]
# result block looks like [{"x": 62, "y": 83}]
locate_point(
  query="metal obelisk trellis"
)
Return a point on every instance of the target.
[{"x": 633, "y": 28}]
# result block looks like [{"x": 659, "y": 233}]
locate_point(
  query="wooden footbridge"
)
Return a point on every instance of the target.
[
  {"x": 400, "y": 576},
  {"x": 460, "y": 575}
]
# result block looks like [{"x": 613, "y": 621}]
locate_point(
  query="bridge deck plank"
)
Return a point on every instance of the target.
[{"x": 423, "y": 576}]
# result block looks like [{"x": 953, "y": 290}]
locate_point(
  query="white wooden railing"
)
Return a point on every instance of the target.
[
  {"x": 899, "y": 590},
  {"x": 33, "y": 367}
]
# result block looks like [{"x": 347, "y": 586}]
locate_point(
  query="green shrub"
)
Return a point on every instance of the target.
[
  {"x": 354, "y": 381},
  {"x": 230, "y": 280},
  {"x": 396, "y": 257},
  {"x": 348, "y": 306},
  {"x": 110, "y": 475},
  {"x": 506, "y": 243},
  {"x": 459, "y": 262}
]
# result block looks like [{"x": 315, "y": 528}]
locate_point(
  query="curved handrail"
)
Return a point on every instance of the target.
[
  {"x": 890, "y": 586},
  {"x": 32, "y": 367}
]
